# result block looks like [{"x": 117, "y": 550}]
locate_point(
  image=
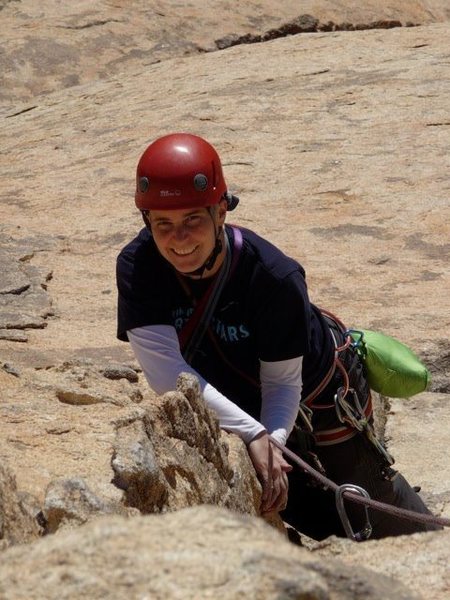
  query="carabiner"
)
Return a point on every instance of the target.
[
  {"x": 354, "y": 415},
  {"x": 356, "y": 343},
  {"x": 366, "y": 531}
]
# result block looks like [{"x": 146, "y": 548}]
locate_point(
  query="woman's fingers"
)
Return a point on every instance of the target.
[
  {"x": 278, "y": 498},
  {"x": 273, "y": 492},
  {"x": 280, "y": 487},
  {"x": 285, "y": 491},
  {"x": 271, "y": 468}
]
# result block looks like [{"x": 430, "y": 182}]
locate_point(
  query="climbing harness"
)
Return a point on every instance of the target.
[
  {"x": 357, "y": 417},
  {"x": 353, "y": 417}
]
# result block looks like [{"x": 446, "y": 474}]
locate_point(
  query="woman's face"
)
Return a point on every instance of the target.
[{"x": 186, "y": 237}]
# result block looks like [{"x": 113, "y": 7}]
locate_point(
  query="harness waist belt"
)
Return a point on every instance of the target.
[{"x": 328, "y": 437}]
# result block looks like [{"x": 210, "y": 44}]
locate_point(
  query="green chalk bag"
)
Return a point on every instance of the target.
[{"x": 392, "y": 368}]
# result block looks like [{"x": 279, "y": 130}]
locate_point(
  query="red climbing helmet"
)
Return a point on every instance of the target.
[{"x": 180, "y": 170}]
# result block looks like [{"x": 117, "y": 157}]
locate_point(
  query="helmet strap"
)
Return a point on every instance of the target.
[
  {"x": 144, "y": 214},
  {"x": 211, "y": 260},
  {"x": 209, "y": 264}
]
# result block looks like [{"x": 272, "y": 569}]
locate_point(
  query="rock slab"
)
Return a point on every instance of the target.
[{"x": 202, "y": 552}]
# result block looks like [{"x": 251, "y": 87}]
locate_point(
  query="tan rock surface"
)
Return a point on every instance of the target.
[
  {"x": 419, "y": 561},
  {"x": 350, "y": 184},
  {"x": 45, "y": 439},
  {"x": 50, "y": 45},
  {"x": 383, "y": 234},
  {"x": 190, "y": 554},
  {"x": 172, "y": 454},
  {"x": 417, "y": 432}
]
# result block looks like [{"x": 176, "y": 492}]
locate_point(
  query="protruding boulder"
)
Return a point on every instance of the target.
[
  {"x": 70, "y": 502},
  {"x": 17, "y": 525},
  {"x": 172, "y": 454}
]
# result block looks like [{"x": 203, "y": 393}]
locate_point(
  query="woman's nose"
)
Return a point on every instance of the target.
[{"x": 181, "y": 232}]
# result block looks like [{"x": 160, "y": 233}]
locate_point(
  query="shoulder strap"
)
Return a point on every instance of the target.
[
  {"x": 237, "y": 246},
  {"x": 193, "y": 331}
]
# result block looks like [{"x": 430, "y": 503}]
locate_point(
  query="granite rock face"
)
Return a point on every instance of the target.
[
  {"x": 202, "y": 552},
  {"x": 70, "y": 503},
  {"x": 50, "y": 46}
]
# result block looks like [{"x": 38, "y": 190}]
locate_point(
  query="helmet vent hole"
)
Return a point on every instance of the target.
[
  {"x": 143, "y": 184},
  {"x": 200, "y": 182}
]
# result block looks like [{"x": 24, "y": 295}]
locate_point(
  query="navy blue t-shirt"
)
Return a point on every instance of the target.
[{"x": 263, "y": 313}]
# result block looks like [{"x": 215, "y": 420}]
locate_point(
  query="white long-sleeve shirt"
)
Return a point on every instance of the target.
[{"x": 157, "y": 350}]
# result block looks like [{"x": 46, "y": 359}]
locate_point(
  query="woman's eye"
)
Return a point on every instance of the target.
[
  {"x": 193, "y": 221},
  {"x": 190, "y": 222},
  {"x": 164, "y": 227}
]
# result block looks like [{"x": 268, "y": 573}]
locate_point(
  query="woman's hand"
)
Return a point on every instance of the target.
[{"x": 271, "y": 469}]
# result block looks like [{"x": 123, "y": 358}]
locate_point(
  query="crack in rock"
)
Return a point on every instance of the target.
[
  {"x": 304, "y": 24},
  {"x": 20, "y": 112},
  {"x": 89, "y": 25},
  {"x": 24, "y": 301}
]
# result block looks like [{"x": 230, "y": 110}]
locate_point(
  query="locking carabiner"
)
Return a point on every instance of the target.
[{"x": 366, "y": 531}]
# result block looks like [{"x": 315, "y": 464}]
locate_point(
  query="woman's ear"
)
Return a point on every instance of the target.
[{"x": 222, "y": 212}]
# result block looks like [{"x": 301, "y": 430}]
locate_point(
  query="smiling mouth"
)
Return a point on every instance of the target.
[{"x": 184, "y": 252}]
